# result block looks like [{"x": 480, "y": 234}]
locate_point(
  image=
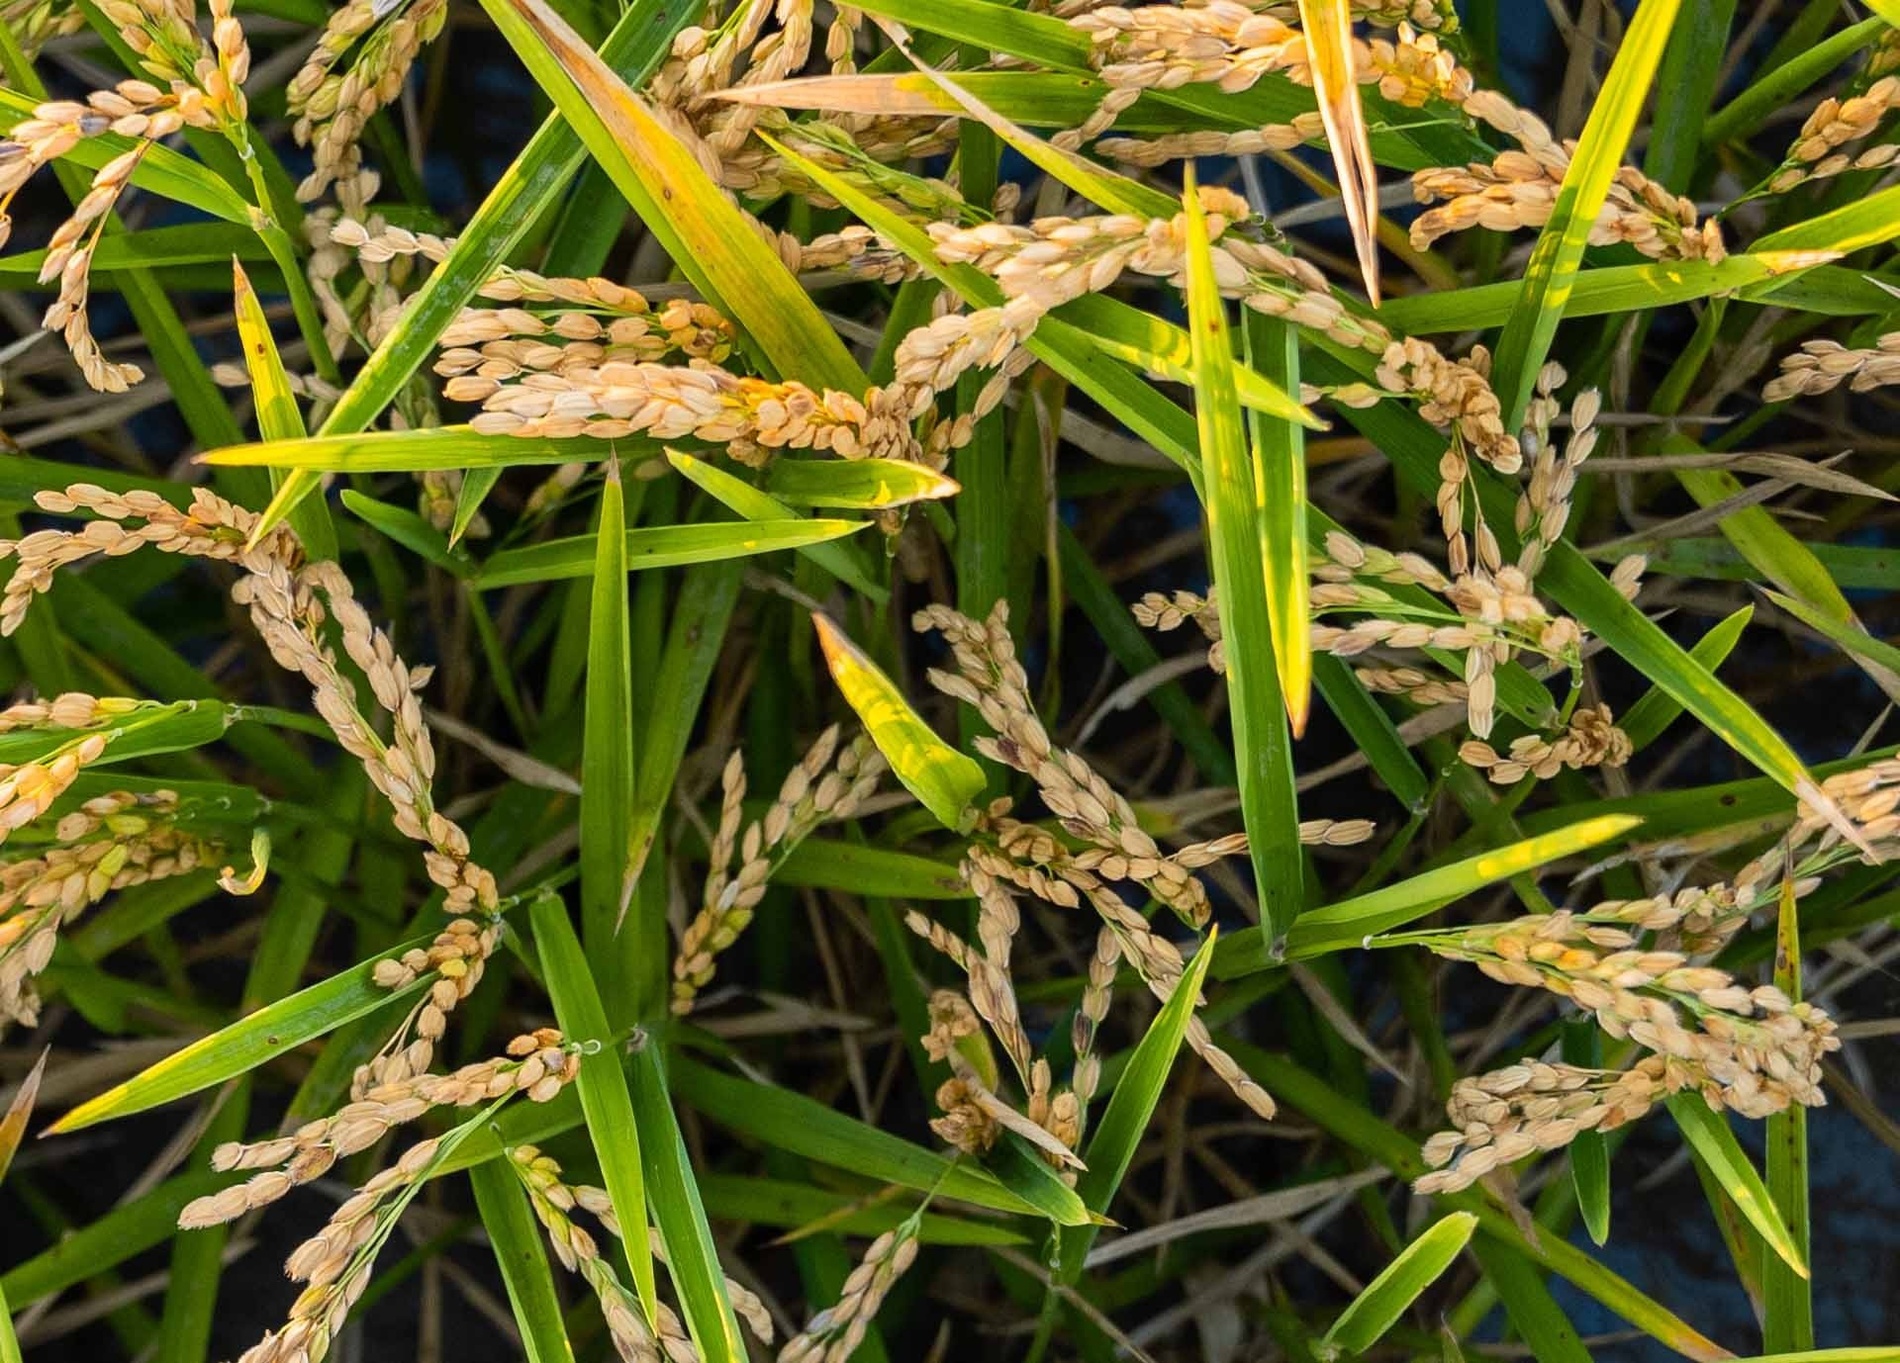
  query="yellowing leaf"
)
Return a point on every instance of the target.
[
  {"x": 704, "y": 232},
  {"x": 1328, "y": 25},
  {"x": 945, "y": 780}
]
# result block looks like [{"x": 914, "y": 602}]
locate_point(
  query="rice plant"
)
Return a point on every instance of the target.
[{"x": 948, "y": 678}]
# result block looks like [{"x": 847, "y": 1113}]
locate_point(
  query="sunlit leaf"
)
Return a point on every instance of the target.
[
  {"x": 945, "y": 780},
  {"x": 1391, "y": 1294}
]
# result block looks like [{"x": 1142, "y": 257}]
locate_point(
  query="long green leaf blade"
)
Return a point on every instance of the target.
[
  {"x": 673, "y": 1192},
  {"x": 737, "y": 495},
  {"x": 1353, "y": 922},
  {"x": 1111, "y": 1150},
  {"x": 1787, "y": 1296},
  {"x": 1263, "y": 749},
  {"x": 606, "y": 1101},
  {"x": 607, "y": 747},
  {"x": 1279, "y": 470},
  {"x": 1708, "y": 1132},
  {"x": 856, "y": 484},
  {"x": 247, "y": 1043},
  {"x": 515, "y": 1237},
  {"x": 1390, "y": 1295},
  {"x": 658, "y": 546},
  {"x": 1552, "y": 272}
]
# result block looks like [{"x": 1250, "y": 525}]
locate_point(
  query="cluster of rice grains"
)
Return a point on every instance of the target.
[
  {"x": 103, "y": 843},
  {"x": 188, "y": 80},
  {"x": 298, "y": 606},
  {"x": 551, "y": 356},
  {"x": 1433, "y": 637},
  {"x": 830, "y": 783},
  {"x": 1008, "y": 857},
  {"x": 664, "y": 1340},
  {"x": 1640, "y": 968}
]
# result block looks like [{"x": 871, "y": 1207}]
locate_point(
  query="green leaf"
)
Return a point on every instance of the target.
[
  {"x": 1850, "y": 565},
  {"x": 1552, "y": 272},
  {"x": 792, "y": 1122},
  {"x": 1780, "y": 82},
  {"x": 692, "y": 1258},
  {"x": 739, "y": 496},
  {"x": 1641, "y": 643},
  {"x": 1854, "y": 639},
  {"x": 1279, "y": 471},
  {"x": 1125, "y": 1121},
  {"x": 1263, "y": 750},
  {"x": 1154, "y": 344},
  {"x": 1589, "y": 1159},
  {"x": 9, "y": 1343},
  {"x": 857, "y": 484},
  {"x": 1692, "y": 69},
  {"x": 877, "y": 871},
  {"x": 1372, "y": 730},
  {"x": 476, "y": 486},
  {"x": 692, "y": 218},
  {"x": 1533, "y": 1312},
  {"x": 1390, "y": 1295},
  {"x": 406, "y": 528},
  {"x": 1712, "y": 1139},
  {"x": 419, "y": 451},
  {"x": 945, "y": 780},
  {"x": 1787, "y": 1298},
  {"x": 1868, "y": 221},
  {"x": 606, "y": 1100},
  {"x": 1656, "y": 710},
  {"x": 606, "y": 814},
  {"x": 1606, "y": 291},
  {"x": 1353, "y": 922},
  {"x": 515, "y": 1237},
  {"x": 659, "y": 546},
  {"x": 776, "y": 1202},
  {"x": 1019, "y": 1168},
  {"x": 155, "y": 248},
  {"x": 271, "y": 1031},
  {"x": 693, "y": 643}
]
